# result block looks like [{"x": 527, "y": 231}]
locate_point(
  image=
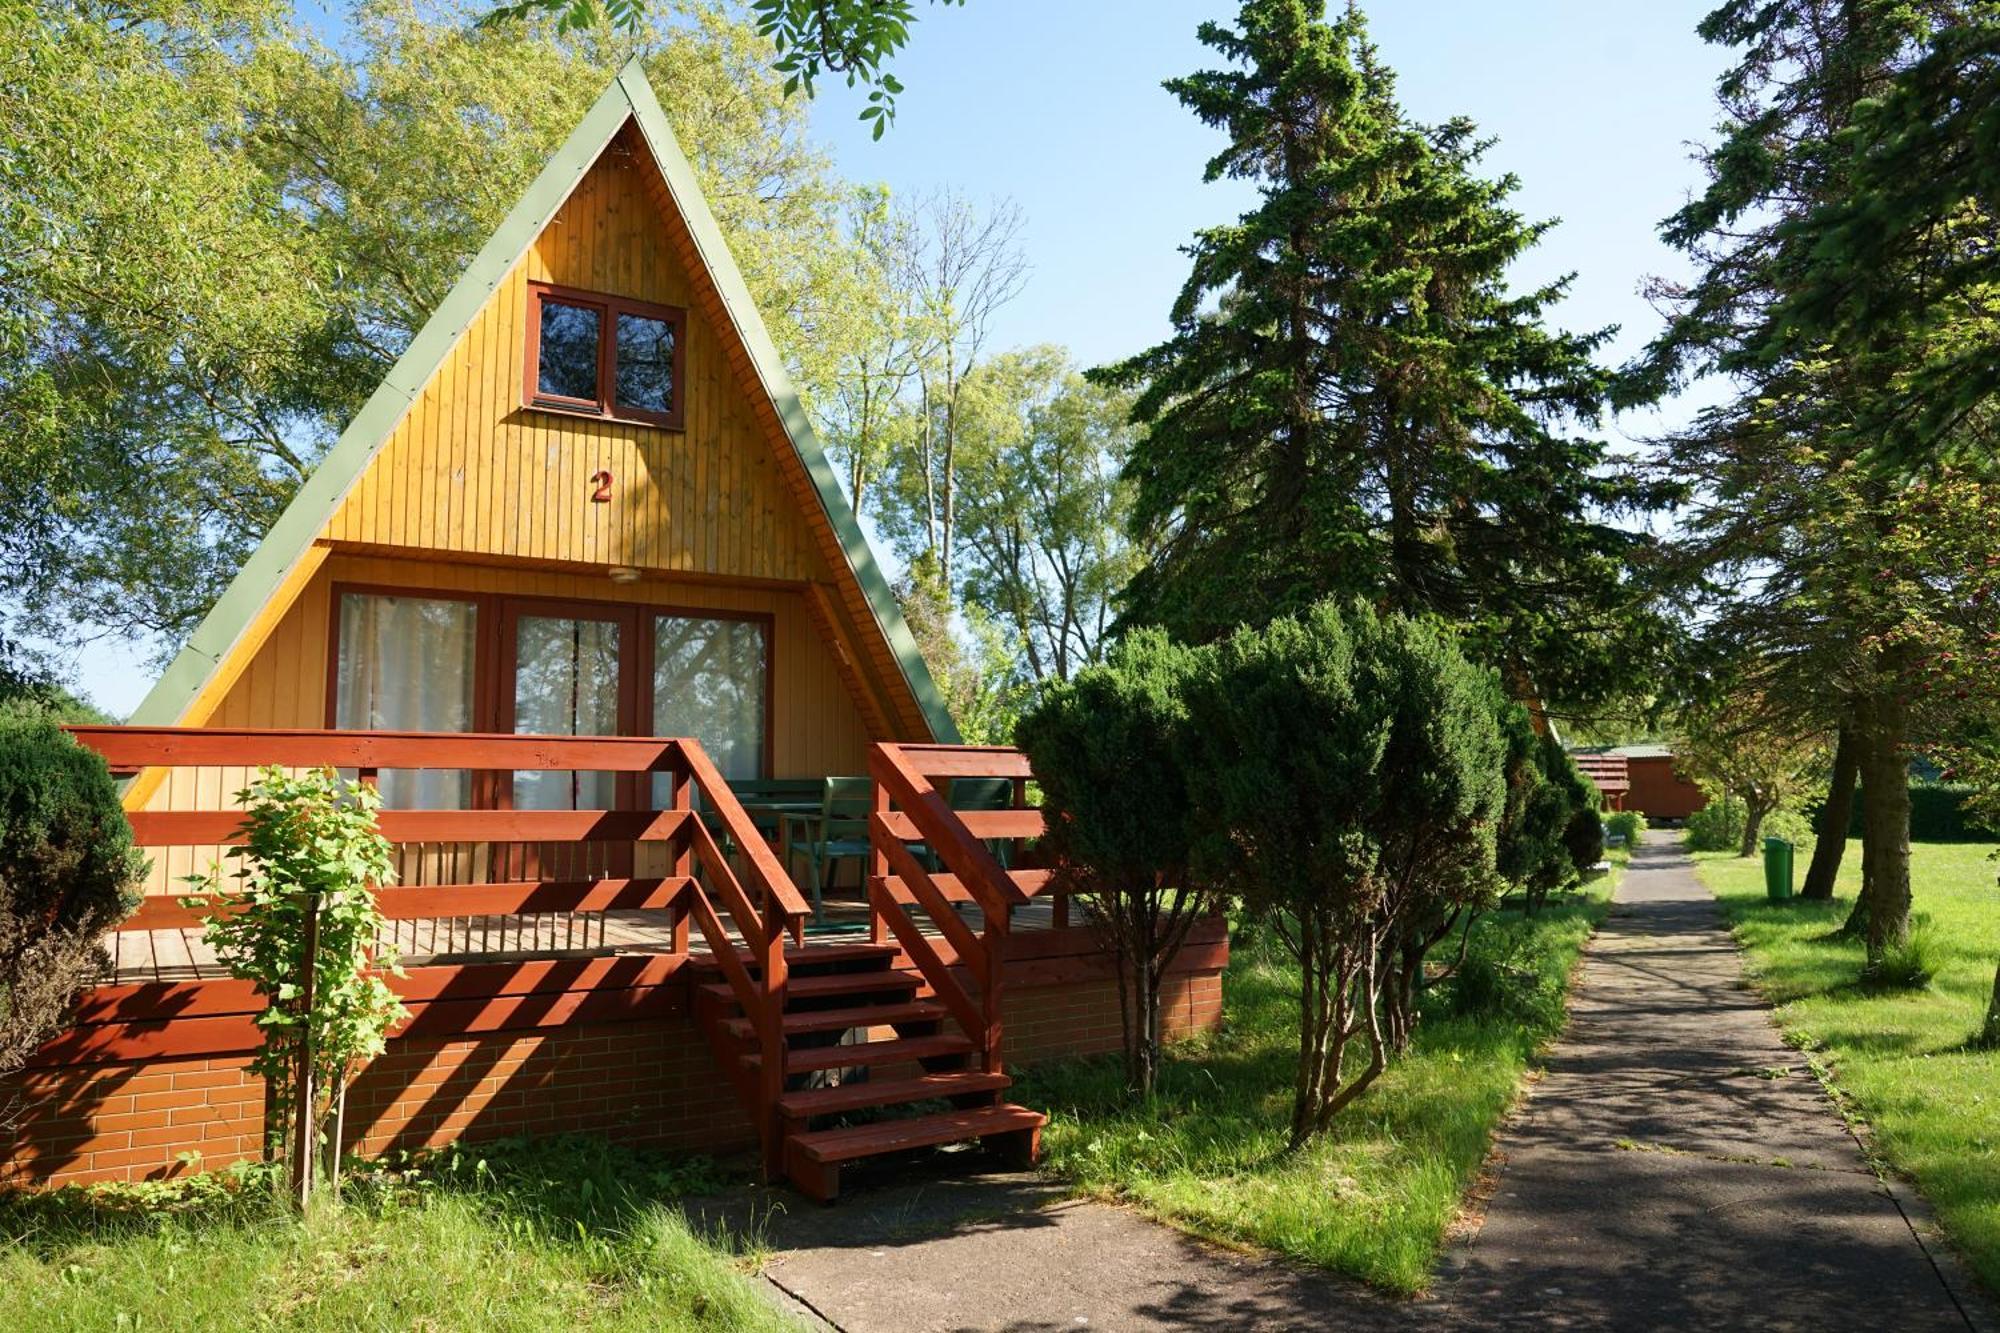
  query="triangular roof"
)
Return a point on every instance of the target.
[{"x": 287, "y": 548}]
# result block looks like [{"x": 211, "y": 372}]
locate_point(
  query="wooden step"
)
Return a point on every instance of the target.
[
  {"x": 813, "y": 1160},
  {"x": 862, "y": 1095},
  {"x": 855, "y": 1055},
  {"x": 839, "y": 1020},
  {"x": 887, "y": 1136},
  {"x": 813, "y": 955},
  {"x": 838, "y": 983}
]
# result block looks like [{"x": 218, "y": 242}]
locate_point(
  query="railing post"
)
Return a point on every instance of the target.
[
  {"x": 771, "y": 1039},
  {"x": 683, "y": 800},
  {"x": 878, "y": 862},
  {"x": 995, "y": 941}
]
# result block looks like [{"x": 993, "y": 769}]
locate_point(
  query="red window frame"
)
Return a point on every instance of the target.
[{"x": 605, "y": 405}]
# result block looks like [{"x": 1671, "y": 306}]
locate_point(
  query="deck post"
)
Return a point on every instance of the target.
[
  {"x": 771, "y": 1040},
  {"x": 878, "y": 864},
  {"x": 683, "y": 800}
]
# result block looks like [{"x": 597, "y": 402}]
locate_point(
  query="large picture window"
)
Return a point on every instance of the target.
[
  {"x": 711, "y": 681},
  {"x": 605, "y": 356},
  {"x": 406, "y": 664},
  {"x": 542, "y": 666}
]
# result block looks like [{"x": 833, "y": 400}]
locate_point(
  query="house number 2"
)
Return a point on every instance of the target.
[{"x": 602, "y": 481}]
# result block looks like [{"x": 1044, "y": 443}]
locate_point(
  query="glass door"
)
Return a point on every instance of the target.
[{"x": 566, "y": 676}]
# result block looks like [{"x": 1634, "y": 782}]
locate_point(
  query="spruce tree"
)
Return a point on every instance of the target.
[
  {"x": 1353, "y": 402},
  {"x": 1775, "y": 544}
]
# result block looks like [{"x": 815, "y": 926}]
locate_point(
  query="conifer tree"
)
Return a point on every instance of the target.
[
  {"x": 1775, "y": 541},
  {"x": 1352, "y": 401}
]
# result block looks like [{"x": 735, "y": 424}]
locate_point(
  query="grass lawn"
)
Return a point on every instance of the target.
[
  {"x": 1899, "y": 1059},
  {"x": 563, "y": 1234},
  {"x": 1374, "y": 1197}
]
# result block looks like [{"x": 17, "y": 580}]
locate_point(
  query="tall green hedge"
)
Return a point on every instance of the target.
[{"x": 1937, "y": 814}]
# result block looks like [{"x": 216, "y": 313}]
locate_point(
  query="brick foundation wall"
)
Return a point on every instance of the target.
[{"x": 650, "y": 1081}]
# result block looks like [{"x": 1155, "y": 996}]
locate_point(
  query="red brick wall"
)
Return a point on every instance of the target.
[{"x": 651, "y": 1081}]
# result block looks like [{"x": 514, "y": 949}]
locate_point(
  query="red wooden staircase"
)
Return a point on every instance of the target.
[
  {"x": 849, "y": 1051},
  {"x": 863, "y": 1060}
]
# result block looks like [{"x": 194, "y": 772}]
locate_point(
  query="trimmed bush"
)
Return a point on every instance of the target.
[
  {"x": 1626, "y": 825},
  {"x": 68, "y": 873},
  {"x": 1345, "y": 778},
  {"x": 1107, "y": 748}
]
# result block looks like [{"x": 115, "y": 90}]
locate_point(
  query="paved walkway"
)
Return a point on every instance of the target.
[{"x": 1677, "y": 1168}]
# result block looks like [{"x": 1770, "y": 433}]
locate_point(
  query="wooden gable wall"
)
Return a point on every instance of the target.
[{"x": 473, "y": 492}]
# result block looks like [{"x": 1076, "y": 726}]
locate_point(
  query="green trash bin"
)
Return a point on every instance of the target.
[{"x": 1777, "y": 869}]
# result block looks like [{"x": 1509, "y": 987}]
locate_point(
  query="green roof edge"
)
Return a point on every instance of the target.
[
  {"x": 777, "y": 383},
  {"x": 630, "y": 95}
]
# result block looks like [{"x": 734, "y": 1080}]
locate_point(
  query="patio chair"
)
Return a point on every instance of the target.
[{"x": 839, "y": 832}]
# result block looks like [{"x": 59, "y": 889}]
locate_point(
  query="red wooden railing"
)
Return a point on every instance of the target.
[
  {"x": 763, "y": 914},
  {"x": 910, "y": 813}
]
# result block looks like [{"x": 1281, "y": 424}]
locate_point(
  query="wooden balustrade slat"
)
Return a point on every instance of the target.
[
  {"x": 966, "y": 761},
  {"x": 982, "y": 824},
  {"x": 199, "y": 828},
  {"x": 741, "y": 910},
  {"x": 722, "y": 802},
  {"x": 933, "y": 969},
  {"x": 918, "y": 881},
  {"x": 166, "y": 912}
]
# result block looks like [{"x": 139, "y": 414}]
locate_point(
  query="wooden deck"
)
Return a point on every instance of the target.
[{"x": 142, "y": 956}]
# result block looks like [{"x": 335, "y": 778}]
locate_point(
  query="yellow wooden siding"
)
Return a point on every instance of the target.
[{"x": 470, "y": 469}]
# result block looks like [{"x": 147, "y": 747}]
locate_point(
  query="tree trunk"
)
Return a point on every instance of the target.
[
  {"x": 1834, "y": 816},
  {"x": 1885, "y": 823},
  {"x": 1989, "y": 1032},
  {"x": 1754, "y": 811}
]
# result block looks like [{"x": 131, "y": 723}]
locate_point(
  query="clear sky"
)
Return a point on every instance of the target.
[{"x": 1058, "y": 105}]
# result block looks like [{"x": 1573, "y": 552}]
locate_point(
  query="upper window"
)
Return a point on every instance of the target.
[{"x": 605, "y": 356}]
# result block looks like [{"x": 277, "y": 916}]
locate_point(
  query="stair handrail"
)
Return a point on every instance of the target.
[{"x": 967, "y": 856}]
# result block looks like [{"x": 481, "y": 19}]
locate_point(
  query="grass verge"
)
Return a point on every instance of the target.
[
  {"x": 1374, "y": 1197},
  {"x": 1898, "y": 1058},
  {"x": 562, "y": 1233}
]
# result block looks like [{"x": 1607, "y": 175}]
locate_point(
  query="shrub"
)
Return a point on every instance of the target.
[
  {"x": 1107, "y": 748},
  {"x": 68, "y": 873},
  {"x": 1583, "y": 829},
  {"x": 1625, "y": 825},
  {"x": 1345, "y": 778},
  {"x": 1529, "y": 852},
  {"x": 1718, "y": 826},
  {"x": 310, "y": 861}
]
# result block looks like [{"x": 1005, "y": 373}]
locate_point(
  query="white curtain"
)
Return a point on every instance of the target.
[
  {"x": 406, "y": 665},
  {"x": 709, "y": 679}
]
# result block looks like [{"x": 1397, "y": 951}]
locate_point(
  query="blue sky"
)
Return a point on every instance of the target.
[{"x": 1057, "y": 104}]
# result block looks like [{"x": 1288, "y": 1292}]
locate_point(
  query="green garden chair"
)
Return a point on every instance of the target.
[{"x": 839, "y": 832}]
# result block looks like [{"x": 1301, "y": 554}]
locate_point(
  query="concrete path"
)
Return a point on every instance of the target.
[{"x": 1677, "y": 1168}]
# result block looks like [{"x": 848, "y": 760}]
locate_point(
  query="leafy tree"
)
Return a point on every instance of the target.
[
  {"x": 850, "y": 38},
  {"x": 191, "y": 310},
  {"x": 1734, "y": 746},
  {"x": 1353, "y": 402},
  {"x": 1109, "y": 749},
  {"x": 962, "y": 265},
  {"x": 303, "y": 925},
  {"x": 1345, "y": 783},
  {"x": 68, "y": 873},
  {"x": 1042, "y": 507},
  {"x": 977, "y": 671}
]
